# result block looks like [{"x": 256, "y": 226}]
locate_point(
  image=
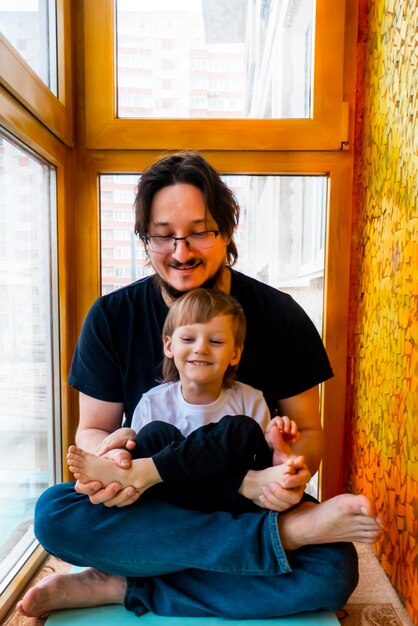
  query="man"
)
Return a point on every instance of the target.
[{"x": 149, "y": 554}]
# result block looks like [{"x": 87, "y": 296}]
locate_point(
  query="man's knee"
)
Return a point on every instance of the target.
[{"x": 47, "y": 522}]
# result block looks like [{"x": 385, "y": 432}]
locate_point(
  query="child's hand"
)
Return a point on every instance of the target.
[{"x": 123, "y": 438}]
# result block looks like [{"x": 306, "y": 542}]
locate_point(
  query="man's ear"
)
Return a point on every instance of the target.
[{"x": 167, "y": 346}]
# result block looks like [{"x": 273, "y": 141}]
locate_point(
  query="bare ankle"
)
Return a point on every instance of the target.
[
  {"x": 145, "y": 473},
  {"x": 249, "y": 486},
  {"x": 290, "y": 527}
]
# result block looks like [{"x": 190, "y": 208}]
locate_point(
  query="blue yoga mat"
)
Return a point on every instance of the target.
[
  {"x": 113, "y": 615},
  {"x": 116, "y": 615}
]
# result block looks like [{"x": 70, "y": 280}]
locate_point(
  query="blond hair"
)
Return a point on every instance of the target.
[{"x": 198, "y": 307}]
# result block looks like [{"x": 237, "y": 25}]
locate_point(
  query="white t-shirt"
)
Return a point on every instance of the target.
[{"x": 166, "y": 403}]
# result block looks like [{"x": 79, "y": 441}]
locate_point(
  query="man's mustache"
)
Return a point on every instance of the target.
[{"x": 188, "y": 263}]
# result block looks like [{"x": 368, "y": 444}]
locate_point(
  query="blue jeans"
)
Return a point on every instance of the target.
[{"x": 189, "y": 563}]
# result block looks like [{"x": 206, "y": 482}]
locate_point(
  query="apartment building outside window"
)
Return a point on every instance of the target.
[{"x": 29, "y": 364}]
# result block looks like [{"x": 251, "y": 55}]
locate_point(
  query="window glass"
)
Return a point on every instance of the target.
[
  {"x": 27, "y": 319},
  {"x": 280, "y": 237},
  {"x": 123, "y": 258},
  {"x": 30, "y": 26},
  {"x": 214, "y": 58}
]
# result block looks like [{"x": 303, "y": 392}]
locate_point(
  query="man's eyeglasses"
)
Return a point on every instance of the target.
[{"x": 197, "y": 241}]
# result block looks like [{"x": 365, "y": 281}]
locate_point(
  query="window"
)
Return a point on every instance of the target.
[
  {"x": 28, "y": 349},
  {"x": 233, "y": 38},
  {"x": 128, "y": 261},
  {"x": 275, "y": 67},
  {"x": 258, "y": 57},
  {"x": 35, "y": 60},
  {"x": 124, "y": 216},
  {"x": 31, "y": 28}
]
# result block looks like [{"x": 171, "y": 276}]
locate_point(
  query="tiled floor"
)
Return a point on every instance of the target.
[{"x": 373, "y": 603}]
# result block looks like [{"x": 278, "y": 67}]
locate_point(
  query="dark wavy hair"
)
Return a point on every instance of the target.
[
  {"x": 191, "y": 168},
  {"x": 199, "y": 306}
]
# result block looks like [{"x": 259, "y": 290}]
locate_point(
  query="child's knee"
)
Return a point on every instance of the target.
[
  {"x": 157, "y": 434},
  {"x": 243, "y": 422}
]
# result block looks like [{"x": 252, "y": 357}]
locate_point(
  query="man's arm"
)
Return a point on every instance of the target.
[
  {"x": 304, "y": 410},
  {"x": 97, "y": 420}
]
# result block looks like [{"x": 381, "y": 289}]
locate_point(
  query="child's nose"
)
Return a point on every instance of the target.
[{"x": 202, "y": 345}]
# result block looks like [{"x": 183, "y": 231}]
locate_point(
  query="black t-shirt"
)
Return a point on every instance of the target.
[{"x": 119, "y": 352}]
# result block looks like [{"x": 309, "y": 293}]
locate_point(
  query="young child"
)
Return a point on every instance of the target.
[{"x": 200, "y": 424}]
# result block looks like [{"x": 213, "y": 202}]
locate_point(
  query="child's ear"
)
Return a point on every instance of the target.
[
  {"x": 167, "y": 346},
  {"x": 236, "y": 357}
]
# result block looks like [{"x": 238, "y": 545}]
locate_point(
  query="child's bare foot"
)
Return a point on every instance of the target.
[
  {"x": 279, "y": 445},
  {"x": 87, "y": 467},
  {"x": 293, "y": 473},
  {"x": 69, "y": 591},
  {"x": 346, "y": 517},
  {"x": 279, "y": 434}
]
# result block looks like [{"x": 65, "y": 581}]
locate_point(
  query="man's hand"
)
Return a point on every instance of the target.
[
  {"x": 277, "y": 498},
  {"x": 111, "y": 495},
  {"x": 277, "y": 488},
  {"x": 121, "y": 457},
  {"x": 288, "y": 491},
  {"x": 122, "y": 438}
]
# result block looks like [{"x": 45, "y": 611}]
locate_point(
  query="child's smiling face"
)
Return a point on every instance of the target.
[{"x": 203, "y": 352}]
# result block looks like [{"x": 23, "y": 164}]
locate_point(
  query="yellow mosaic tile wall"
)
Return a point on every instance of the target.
[{"x": 382, "y": 458}]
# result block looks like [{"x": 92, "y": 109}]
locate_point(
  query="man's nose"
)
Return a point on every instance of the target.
[{"x": 182, "y": 251}]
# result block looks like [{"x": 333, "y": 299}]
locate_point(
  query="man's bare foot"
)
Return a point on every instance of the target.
[
  {"x": 72, "y": 591},
  {"x": 293, "y": 473},
  {"x": 88, "y": 467},
  {"x": 346, "y": 517}
]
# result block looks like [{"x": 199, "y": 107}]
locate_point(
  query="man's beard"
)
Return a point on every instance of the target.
[{"x": 174, "y": 293}]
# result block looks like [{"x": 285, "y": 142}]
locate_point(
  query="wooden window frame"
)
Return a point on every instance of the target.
[
  {"x": 325, "y": 131},
  {"x": 19, "y": 122},
  {"x": 25, "y": 85}
]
